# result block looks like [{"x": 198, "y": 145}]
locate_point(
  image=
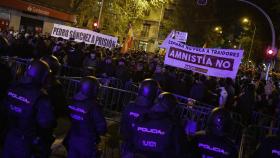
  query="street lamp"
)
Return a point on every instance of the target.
[
  {"x": 249, "y": 22},
  {"x": 218, "y": 29},
  {"x": 245, "y": 20},
  {"x": 271, "y": 27}
]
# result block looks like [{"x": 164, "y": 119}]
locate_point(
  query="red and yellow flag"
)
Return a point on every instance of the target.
[{"x": 128, "y": 41}]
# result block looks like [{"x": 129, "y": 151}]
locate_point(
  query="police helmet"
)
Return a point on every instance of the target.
[
  {"x": 89, "y": 86},
  {"x": 53, "y": 63},
  {"x": 38, "y": 71},
  {"x": 149, "y": 88},
  {"x": 166, "y": 102},
  {"x": 218, "y": 122}
]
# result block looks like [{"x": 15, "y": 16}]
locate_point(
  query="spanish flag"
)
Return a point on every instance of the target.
[{"x": 128, "y": 41}]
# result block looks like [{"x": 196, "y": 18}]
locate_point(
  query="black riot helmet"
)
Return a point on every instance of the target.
[
  {"x": 166, "y": 103},
  {"x": 53, "y": 63},
  {"x": 149, "y": 88},
  {"x": 89, "y": 86},
  {"x": 218, "y": 122},
  {"x": 37, "y": 72}
]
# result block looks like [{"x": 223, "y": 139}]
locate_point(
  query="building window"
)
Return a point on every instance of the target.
[
  {"x": 147, "y": 12},
  {"x": 143, "y": 45},
  {"x": 145, "y": 30}
]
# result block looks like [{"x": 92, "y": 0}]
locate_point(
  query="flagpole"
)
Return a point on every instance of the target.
[
  {"x": 159, "y": 22},
  {"x": 100, "y": 13}
]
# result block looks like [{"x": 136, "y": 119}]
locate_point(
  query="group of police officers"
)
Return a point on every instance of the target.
[{"x": 149, "y": 126}]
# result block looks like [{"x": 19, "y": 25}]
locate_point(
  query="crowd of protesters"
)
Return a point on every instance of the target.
[{"x": 249, "y": 91}]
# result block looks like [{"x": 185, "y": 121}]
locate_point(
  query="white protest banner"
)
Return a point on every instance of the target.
[
  {"x": 208, "y": 61},
  {"x": 181, "y": 36},
  {"x": 84, "y": 35},
  {"x": 177, "y": 36},
  {"x": 165, "y": 42}
]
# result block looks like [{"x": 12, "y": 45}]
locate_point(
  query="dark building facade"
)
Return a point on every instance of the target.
[{"x": 35, "y": 15}]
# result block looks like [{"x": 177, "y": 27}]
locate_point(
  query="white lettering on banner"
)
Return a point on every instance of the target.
[
  {"x": 181, "y": 36},
  {"x": 177, "y": 36},
  {"x": 221, "y": 63},
  {"x": 84, "y": 35}
]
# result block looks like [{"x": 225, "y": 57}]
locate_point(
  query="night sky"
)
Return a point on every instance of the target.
[{"x": 231, "y": 11}]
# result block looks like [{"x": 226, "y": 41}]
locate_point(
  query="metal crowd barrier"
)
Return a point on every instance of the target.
[
  {"x": 252, "y": 136},
  {"x": 130, "y": 86},
  {"x": 261, "y": 119},
  {"x": 17, "y": 65},
  {"x": 112, "y": 99},
  {"x": 71, "y": 71},
  {"x": 114, "y": 96}
]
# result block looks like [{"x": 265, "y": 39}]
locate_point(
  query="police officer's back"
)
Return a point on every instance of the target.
[
  {"x": 28, "y": 112},
  {"x": 268, "y": 148},
  {"x": 213, "y": 142},
  {"x": 54, "y": 86},
  {"x": 146, "y": 95},
  {"x": 155, "y": 135},
  {"x": 88, "y": 122},
  {"x": 5, "y": 81}
]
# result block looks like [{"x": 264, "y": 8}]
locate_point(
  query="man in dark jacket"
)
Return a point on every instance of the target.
[{"x": 5, "y": 82}]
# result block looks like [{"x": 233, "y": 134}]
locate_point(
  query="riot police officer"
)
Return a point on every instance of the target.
[
  {"x": 213, "y": 142},
  {"x": 55, "y": 91},
  {"x": 54, "y": 86},
  {"x": 269, "y": 147},
  {"x": 5, "y": 81},
  {"x": 147, "y": 93},
  {"x": 155, "y": 135},
  {"x": 87, "y": 119},
  {"x": 30, "y": 115}
]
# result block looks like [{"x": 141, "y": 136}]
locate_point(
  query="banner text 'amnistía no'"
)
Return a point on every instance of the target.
[
  {"x": 221, "y": 63},
  {"x": 84, "y": 35}
]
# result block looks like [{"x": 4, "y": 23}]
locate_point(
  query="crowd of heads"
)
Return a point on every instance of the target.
[
  {"x": 137, "y": 65},
  {"x": 246, "y": 93}
]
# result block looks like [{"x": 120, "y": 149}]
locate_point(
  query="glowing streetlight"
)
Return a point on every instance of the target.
[
  {"x": 245, "y": 20},
  {"x": 217, "y": 29}
]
